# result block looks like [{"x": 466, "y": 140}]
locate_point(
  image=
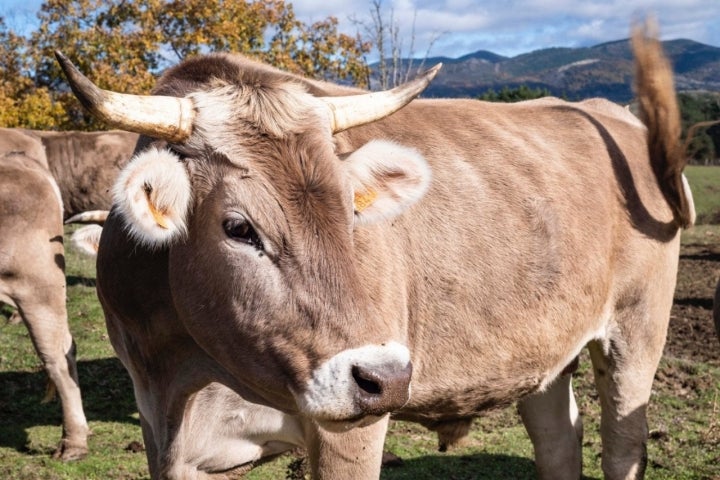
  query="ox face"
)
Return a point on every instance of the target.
[
  {"x": 260, "y": 230},
  {"x": 264, "y": 278}
]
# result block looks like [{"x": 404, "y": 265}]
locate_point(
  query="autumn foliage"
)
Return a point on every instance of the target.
[{"x": 123, "y": 45}]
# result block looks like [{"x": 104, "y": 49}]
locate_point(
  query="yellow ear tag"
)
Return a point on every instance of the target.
[
  {"x": 157, "y": 215},
  {"x": 364, "y": 199}
]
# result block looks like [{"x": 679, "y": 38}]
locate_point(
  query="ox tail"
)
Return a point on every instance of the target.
[{"x": 659, "y": 111}]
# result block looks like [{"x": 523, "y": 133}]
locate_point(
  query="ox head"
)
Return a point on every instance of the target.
[{"x": 241, "y": 181}]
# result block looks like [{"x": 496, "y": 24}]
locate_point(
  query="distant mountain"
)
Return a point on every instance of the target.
[{"x": 605, "y": 70}]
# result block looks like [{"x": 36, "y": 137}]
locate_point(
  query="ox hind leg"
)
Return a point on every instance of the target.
[
  {"x": 624, "y": 365},
  {"x": 553, "y": 423},
  {"x": 51, "y": 338}
]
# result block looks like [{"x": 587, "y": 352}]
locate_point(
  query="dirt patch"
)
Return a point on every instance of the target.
[{"x": 692, "y": 333}]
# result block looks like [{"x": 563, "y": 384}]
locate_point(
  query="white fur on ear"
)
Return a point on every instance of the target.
[
  {"x": 386, "y": 178},
  {"x": 153, "y": 194},
  {"x": 86, "y": 239}
]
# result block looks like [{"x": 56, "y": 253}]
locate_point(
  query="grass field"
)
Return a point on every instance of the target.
[
  {"x": 705, "y": 184},
  {"x": 684, "y": 413}
]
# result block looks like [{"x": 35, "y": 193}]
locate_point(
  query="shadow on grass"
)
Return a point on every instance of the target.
[
  {"x": 466, "y": 467},
  {"x": 106, "y": 390},
  {"x": 73, "y": 280}
]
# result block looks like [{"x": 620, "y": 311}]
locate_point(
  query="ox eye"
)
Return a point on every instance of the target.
[{"x": 240, "y": 230}]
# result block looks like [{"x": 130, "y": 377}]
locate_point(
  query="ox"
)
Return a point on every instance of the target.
[
  {"x": 86, "y": 239},
  {"x": 40, "y": 170},
  {"x": 84, "y": 164},
  {"x": 32, "y": 279},
  {"x": 283, "y": 237},
  {"x": 716, "y": 310}
]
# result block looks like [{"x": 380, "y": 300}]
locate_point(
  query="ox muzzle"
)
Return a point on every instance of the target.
[{"x": 368, "y": 381}]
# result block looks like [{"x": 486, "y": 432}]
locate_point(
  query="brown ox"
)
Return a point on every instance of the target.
[
  {"x": 282, "y": 237},
  {"x": 32, "y": 279},
  {"x": 84, "y": 164},
  {"x": 86, "y": 239},
  {"x": 716, "y": 310}
]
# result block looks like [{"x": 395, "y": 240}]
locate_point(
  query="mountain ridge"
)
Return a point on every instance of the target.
[{"x": 603, "y": 70}]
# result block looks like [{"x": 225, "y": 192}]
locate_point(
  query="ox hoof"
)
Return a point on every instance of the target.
[
  {"x": 390, "y": 460},
  {"x": 15, "y": 318},
  {"x": 68, "y": 452}
]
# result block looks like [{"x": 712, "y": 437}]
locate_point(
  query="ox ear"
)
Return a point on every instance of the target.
[
  {"x": 86, "y": 239},
  {"x": 153, "y": 195},
  {"x": 386, "y": 178}
]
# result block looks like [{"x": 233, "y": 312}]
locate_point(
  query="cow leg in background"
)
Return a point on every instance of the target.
[
  {"x": 339, "y": 455},
  {"x": 13, "y": 318},
  {"x": 716, "y": 310},
  {"x": 552, "y": 420},
  {"x": 46, "y": 320}
]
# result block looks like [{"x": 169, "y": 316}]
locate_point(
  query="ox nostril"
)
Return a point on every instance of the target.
[
  {"x": 382, "y": 389},
  {"x": 367, "y": 381}
]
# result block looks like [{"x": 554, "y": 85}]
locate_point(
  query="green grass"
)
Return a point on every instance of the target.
[
  {"x": 705, "y": 184},
  {"x": 684, "y": 415},
  {"x": 30, "y": 431}
]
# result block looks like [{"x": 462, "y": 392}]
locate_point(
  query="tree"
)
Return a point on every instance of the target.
[
  {"x": 116, "y": 42},
  {"x": 22, "y": 103},
  {"x": 392, "y": 68},
  {"x": 315, "y": 55},
  {"x": 507, "y": 94},
  {"x": 703, "y": 143}
]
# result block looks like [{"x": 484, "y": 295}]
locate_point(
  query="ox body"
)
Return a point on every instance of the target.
[
  {"x": 32, "y": 279},
  {"x": 451, "y": 257},
  {"x": 83, "y": 164}
]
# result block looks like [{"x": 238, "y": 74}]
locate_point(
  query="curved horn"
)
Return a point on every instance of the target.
[
  {"x": 168, "y": 118},
  {"x": 89, "y": 216},
  {"x": 354, "y": 110}
]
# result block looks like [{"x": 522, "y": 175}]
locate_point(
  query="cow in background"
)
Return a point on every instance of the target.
[
  {"x": 86, "y": 239},
  {"x": 32, "y": 279},
  {"x": 84, "y": 164},
  {"x": 45, "y": 175}
]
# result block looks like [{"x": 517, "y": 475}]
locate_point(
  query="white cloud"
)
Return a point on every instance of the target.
[{"x": 506, "y": 27}]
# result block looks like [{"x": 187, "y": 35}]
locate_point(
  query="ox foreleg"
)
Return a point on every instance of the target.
[
  {"x": 554, "y": 425},
  {"x": 355, "y": 453}
]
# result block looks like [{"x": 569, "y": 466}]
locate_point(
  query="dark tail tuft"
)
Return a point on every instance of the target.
[{"x": 657, "y": 100}]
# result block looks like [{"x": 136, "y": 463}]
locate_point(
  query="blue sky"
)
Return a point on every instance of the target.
[{"x": 508, "y": 27}]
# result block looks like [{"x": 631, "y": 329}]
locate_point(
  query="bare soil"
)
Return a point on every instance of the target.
[{"x": 692, "y": 334}]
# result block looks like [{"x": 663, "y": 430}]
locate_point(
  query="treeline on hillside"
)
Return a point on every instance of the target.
[
  {"x": 695, "y": 107},
  {"x": 123, "y": 45}
]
